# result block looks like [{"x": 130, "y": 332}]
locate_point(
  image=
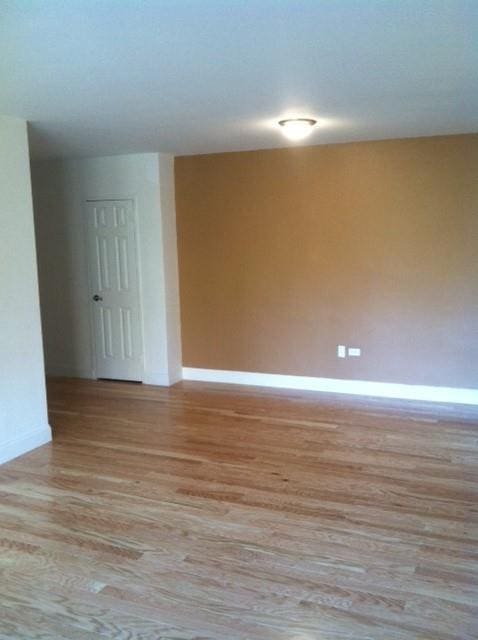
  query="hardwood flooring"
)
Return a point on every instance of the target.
[{"x": 230, "y": 513}]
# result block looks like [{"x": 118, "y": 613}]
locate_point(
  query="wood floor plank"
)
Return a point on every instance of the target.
[{"x": 213, "y": 512}]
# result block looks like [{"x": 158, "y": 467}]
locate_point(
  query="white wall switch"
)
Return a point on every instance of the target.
[
  {"x": 341, "y": 351},
  {"x": 354, "y": 352}
]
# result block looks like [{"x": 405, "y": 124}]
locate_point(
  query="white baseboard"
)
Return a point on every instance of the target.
[
  {"x": 65, "y": 371},
  {"x": 453, "y": 395},
  {"x": 157, "y": 378},
  {"x": 24, "y": 443},
  {"x": 175, "y": 377}
]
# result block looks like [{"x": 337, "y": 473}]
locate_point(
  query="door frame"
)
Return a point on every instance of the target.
[{"x": 89, "y": 275}]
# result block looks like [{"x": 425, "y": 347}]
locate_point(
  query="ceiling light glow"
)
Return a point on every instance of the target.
[{"x": 297, "y": 128}]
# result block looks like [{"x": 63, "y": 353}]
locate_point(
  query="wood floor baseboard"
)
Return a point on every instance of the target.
[
  {"x": 453, "y": 395},
  {"x": 26, "y": 442}
]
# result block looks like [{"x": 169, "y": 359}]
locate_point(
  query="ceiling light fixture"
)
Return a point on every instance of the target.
[{"x": 297, "y": 128}]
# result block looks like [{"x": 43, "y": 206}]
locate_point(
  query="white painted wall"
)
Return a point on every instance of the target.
[
  {"x": 23, "y": 410},
  {"x": 170, "y": 261},
  {"x": 60, "y": 189}
]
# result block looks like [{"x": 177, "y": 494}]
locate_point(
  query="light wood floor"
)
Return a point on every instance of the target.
[{"x": 212, "y": 512}]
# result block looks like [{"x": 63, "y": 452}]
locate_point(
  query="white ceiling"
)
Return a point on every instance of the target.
[{"x": 100, "y": 77}]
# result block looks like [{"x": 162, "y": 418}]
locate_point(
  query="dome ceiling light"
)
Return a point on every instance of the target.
[{"x": 297, "y": 128}]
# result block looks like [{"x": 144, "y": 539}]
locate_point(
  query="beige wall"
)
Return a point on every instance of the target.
[{"x": 284, "y": 254}]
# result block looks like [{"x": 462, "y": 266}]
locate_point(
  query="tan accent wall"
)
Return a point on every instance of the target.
[{"x": 284, "y": 254}]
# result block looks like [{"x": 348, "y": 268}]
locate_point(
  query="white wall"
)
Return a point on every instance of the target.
[
  {"x": 170, "y": 260},
  {"x": 23, "y": 411},
  {"x": 60, "y": 190}
]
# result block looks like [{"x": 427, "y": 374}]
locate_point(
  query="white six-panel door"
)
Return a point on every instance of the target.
[{"x": 114, "y": 289}]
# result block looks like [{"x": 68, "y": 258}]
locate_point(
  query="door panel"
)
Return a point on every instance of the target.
[{"x": 114, "y": 289}]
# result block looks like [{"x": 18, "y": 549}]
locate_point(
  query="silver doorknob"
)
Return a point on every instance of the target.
[{"x": 96, "y": 297}]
